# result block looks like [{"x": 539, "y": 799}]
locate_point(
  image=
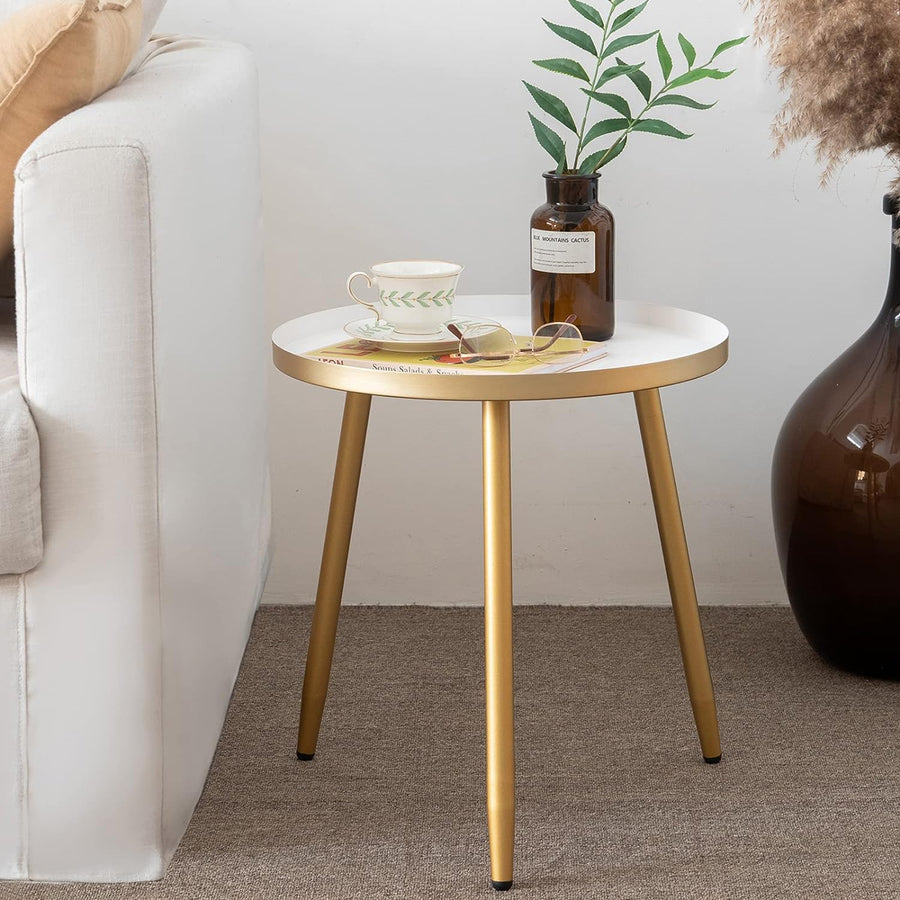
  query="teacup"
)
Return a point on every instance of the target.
[{"x": 415, "y": 296}]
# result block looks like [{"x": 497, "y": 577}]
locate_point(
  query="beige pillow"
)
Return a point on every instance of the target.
[
  {"x": 151, "y": 12},
  {"x": 55, "y": 57}
]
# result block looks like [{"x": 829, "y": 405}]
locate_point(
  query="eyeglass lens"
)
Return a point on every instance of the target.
[
  {"x": 557, "y": 338},
  {"x": 487, "y": 345}
]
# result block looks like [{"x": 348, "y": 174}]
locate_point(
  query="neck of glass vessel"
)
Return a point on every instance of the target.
[
  {"x": 571, "y": 190},
  {"x": 892, "y": 300}
]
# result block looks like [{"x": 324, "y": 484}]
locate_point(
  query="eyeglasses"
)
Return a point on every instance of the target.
[{"x": 490, "y": 344}]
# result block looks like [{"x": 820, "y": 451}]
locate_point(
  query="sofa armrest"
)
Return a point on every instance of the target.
[{"x": 142, "y": 356}]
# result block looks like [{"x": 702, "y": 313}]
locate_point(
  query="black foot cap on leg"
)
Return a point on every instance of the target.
[
  {"x": 309, "y": 756},
  {"x": 712, "y": 760},
  {"x": 501, "y": 885}
]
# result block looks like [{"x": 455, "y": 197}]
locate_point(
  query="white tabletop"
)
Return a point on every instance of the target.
[{"x": 652, "y": 346}]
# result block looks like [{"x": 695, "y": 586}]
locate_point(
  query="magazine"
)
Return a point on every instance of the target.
[{"x": 365, "y": 355}]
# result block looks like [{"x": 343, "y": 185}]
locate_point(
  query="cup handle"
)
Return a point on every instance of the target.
[{"x": 372, "y": 306}]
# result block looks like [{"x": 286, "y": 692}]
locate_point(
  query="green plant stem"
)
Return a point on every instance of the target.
[
  {"x": 624, "y": 135},
  {"x": 580, "y": 147}
]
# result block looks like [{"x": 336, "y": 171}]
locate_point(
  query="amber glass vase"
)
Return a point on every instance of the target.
[
  {"x": 572, "y": 257},
  {"x": 836, "y": 498}
]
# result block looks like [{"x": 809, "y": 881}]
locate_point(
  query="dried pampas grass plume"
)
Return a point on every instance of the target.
[{"x": 840, "y": 62}]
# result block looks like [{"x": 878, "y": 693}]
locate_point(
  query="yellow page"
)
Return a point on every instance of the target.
[{"x": 362, "y": 353}]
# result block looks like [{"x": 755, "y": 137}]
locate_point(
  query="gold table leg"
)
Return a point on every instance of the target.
[
  {"x": 333, "y": 569},
  {"x": 678, "y": 570},
  {"x": 498, "y": 641}
]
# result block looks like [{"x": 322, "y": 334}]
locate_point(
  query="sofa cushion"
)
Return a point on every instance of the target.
[
  {"x": 152, "y": 10},
  {"x": 9, "y": 361},
  {"x": 21, "y": 532},
  {"x": 55, "y": 58}
]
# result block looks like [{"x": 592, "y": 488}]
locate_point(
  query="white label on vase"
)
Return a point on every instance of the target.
[{"x": 569, "y": 252}]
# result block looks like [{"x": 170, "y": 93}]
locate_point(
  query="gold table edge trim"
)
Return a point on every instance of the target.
[{"x": 525, "y": 386}]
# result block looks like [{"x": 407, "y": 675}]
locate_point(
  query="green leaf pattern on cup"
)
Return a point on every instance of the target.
[{"x": 426, "y": 299}]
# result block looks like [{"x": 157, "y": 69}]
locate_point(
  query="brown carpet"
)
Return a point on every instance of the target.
[{"x": 613, "y": 798}]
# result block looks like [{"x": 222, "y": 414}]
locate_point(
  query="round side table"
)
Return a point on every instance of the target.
[{"x": 653, "y": 346}]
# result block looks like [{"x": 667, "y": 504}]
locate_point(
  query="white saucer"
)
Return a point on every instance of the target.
[{"x": 383, "y": 335}]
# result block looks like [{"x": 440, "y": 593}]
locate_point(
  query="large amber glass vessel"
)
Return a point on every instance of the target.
[
  {"x": 572, "y": 257},
  {"x": 836, "y": 498}
]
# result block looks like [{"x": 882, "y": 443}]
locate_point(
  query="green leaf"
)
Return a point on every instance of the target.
[
  {"x": 696, "y": 75},
  {"x": 687, "y": 48},
  {"x": 613, "y": 151},
  {"x": 642, "y": 82},
  {"x": 591, "y": 14},
  {"x": 622, "y": 20},
  {"x": 589, "y": 163},
  {"x": 665, "y": 59},
  {"x": 727, "y": 45},
  {"x": 628, "y": 40},
  {"x": 550, "y": 141},
  {"x": 638, "y": 78},
  {"x": 564, "y": 67},
  {"x": 574, "y": 36},
  {"x": 607, "y": 126},
  {"x": 619, "y": 104},
  {"x": 681, "y": 100},
  {"x": 615, "y": 72},
  {"x": 657, "y": 126},
  {"x": 552, "y": 106}
]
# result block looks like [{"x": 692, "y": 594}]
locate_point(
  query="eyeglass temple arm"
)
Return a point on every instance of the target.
[
  {"x": 458, "y": 334},
  {"x": 570, "y": 320}
]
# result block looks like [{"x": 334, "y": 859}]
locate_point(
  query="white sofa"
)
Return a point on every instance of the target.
[{"x": 142, "y": 356}]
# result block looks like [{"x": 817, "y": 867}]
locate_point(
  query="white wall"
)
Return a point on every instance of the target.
[{"x": 399, "y": 129}]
